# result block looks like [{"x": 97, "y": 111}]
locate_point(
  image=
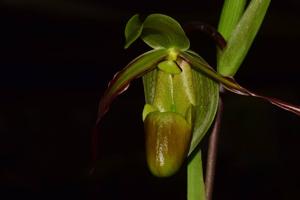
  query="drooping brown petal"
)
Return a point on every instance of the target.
[
  {"x": 277, "y": 102},
  {"x": 230, "y": 84},
  {"x": 120, "y": 83},
  {"x": 121, "y": 80}
]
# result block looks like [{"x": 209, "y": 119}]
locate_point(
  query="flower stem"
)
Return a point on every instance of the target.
[
  {"x": 195, "y": 183},
  {"x": 212, "y": 153}
]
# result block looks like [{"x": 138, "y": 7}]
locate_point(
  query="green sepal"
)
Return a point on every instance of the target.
[
  {"x": 157, "y": 31},
  {"x": 204, "y": 111},
  {"x": 190, "y": 114},
  {"x": 162, "y": 31},
  {"x": 207, "y": 97},
  {"x": 133, "y": 30}
]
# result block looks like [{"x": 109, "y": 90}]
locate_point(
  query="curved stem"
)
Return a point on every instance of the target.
[
  {"x": 208, "y": 30},
  {"x": 212, "y": 153}
]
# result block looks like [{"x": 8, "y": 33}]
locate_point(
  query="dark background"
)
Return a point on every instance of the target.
[{"x": 56, "y": 59}]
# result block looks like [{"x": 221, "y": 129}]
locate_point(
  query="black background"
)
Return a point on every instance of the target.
[{"x": 56, "y": 59}]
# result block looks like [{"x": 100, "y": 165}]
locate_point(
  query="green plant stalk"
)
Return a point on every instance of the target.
[
  {"x": 195, "y": 182},
  {"x": 239, "y": 29}
]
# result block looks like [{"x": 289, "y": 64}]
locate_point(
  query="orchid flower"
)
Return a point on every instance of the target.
[{"x": 181, "y": 89}]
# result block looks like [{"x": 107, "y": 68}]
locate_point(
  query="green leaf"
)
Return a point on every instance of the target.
[
  {"x": 241, "y": 38},
  {"x": 162, "y": 31},
  {"x": 195, "y": 183},
  {"x": 231, "y": 13},
  {"x": 135, "y": 69},
  {"x": 133, "y": 30}
]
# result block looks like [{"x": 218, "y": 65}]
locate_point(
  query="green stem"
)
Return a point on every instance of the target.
[{"x": 195, "y": 183}]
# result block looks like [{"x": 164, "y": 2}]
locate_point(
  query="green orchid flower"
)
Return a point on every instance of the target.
[
  {"x": 181, "y": 92},
  {"x": 181, "y": 101}
]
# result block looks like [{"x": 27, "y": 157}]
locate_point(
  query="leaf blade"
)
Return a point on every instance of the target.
[
  {"x": 231, "y": 13},
  {"x": 241, "y": 38}
]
